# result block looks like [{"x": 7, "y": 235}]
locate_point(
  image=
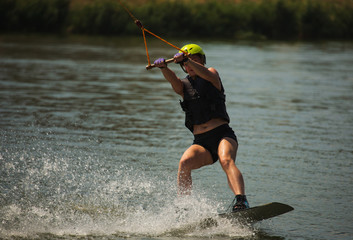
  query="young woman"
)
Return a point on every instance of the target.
[{"x": 206, "y": 117}]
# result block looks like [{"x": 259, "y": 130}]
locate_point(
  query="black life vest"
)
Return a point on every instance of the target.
[{"x": 202, "y": 102}]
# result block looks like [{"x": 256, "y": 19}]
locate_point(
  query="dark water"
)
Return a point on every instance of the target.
[{"x": 90, "y": 140}]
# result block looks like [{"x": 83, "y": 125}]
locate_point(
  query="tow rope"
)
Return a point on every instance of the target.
[{"x": 139, "y": 24}]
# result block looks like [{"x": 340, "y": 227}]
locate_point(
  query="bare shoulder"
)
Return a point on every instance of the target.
[
  {"x": 216, "y": 81},
  {"x": 212, "y": 70}
]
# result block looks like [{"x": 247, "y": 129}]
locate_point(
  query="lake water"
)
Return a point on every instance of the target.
[{"x": 90, "y": 140}]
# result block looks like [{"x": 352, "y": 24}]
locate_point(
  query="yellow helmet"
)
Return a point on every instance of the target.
[{"x": 194, "y": 49}]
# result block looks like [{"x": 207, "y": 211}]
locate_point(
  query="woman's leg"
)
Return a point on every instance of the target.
[
  {"x": 227, "y": 151},
  {"x": 194, "y": 157}
]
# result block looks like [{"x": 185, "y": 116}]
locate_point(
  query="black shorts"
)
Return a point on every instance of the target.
[{"x": 211, "y": 139}]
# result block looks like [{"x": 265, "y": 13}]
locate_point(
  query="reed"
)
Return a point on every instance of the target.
[
  {"x": 33, "y": 15},
  {"x": 271, "y": 19}
]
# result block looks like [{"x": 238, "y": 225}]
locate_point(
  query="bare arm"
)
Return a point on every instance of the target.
[
  {"x": 176, "y": 83},
  {"x": 170, "y": 76},
  {"x": 209, "y": 74}
]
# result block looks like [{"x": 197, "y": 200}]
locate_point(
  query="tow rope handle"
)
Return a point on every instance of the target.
[
  {"x": 148, "y": 67},
  {"x": 139, "y": 25}
]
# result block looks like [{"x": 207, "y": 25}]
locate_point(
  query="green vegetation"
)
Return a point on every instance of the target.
[
  {"x": 270, "y": 19},
  {"x": 33, "y": 15}
]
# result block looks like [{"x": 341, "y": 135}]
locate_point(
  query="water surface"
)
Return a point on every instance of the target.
[{"x": 90, "y": 140}]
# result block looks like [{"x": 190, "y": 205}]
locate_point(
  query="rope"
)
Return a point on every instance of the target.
[
  {"x": 139, "y": 24},
  {"x": 164, "y": 40},
  {"x": 148, "y": 56},
  {"x": 127, "y": 10}
]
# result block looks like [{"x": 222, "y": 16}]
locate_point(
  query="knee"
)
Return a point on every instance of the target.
[
  {"x": 185, "y": 164},
  {"x": 226, "y": 163}
]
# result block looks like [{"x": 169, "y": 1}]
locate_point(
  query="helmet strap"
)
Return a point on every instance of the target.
[{"x": 183, "y": 67}]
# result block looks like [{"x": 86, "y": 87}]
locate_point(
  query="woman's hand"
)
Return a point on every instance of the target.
[
  {"x": 179, "y": 57},
  {"x": 160, "y": 62}
]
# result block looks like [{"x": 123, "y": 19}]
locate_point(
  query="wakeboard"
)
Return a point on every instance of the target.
[{"x": 258, "y": 213}]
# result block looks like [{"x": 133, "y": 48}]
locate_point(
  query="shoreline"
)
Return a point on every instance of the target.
[{"x": 238, "y": 20}]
